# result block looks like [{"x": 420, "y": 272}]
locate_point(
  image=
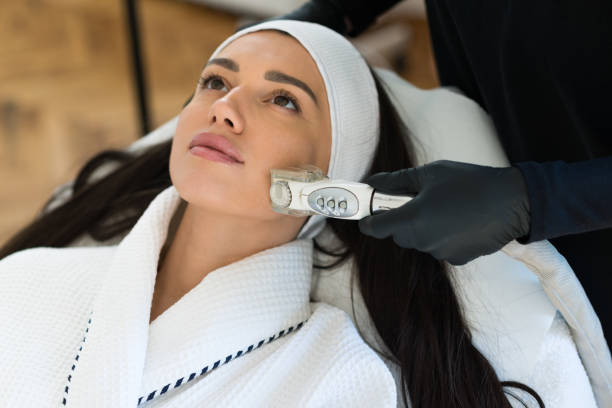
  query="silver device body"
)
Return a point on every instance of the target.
[{"x": 305, "y": 191}]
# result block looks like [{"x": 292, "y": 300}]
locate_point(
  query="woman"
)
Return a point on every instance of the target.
[{"x": 229, "y": 291}]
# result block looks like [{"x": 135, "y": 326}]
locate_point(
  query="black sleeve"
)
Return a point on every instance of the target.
[
  {"x": 362, "y": 13},
  {"x": 568, "y": 198},
  {"x": 332, "y": 13},
  {"x": 323, "y": 12}
]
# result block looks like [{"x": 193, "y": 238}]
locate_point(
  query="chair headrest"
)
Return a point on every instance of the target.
[{"x": 444, "y": 124}]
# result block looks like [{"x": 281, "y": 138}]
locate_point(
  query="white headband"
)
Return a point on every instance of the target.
[{"x": 352, "y": 97}]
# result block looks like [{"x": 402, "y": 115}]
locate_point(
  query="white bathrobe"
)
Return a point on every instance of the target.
[
  {"x": 75, "y": 331},
  {"x": 48, "y": 297}
]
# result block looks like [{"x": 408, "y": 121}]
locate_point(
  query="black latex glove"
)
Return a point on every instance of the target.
[
  {"x": 315, "y": 11},
  {"x": 461, "y": 211}
]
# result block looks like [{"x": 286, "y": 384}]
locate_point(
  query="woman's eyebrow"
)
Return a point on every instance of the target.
[
  {"x": 225, "y": 63},
  {"x": 275, "y": 76}
]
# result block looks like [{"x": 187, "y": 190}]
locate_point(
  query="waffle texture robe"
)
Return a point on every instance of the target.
[{"x": 76, "y": 332}]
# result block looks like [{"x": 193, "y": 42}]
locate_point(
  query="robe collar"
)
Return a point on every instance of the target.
[{"x": 236, "y": 308}]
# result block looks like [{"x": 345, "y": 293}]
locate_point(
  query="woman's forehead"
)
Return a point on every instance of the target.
[
  {"x": 274, "y": 50},
  {"x": 267, "y": 40}
]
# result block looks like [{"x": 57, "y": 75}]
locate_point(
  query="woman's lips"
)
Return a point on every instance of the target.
[
  {"x": 212, "y": 154},
  {"x": 217, "y": 143}
]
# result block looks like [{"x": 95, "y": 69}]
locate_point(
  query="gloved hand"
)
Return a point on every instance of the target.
[
  {"x": 461, "y": 211},
  {"x": 315, "y": 11}
]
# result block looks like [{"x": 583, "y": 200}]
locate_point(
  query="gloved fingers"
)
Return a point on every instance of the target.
[
  {"x": 380, "y": 225},
  {"x": 398, "y": 182},
  {"x": 391, "y": 222},
  {"x": 455, "y": 260},
  {"x": 464, "y": 248}
]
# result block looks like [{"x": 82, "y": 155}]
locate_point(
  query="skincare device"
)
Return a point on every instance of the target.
[{"x": 304, "y": 190}]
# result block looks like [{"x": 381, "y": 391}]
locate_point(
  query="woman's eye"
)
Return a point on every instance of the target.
[
  {"x": 213, "y": 82},
  {"x": 286, "y": 102},
  {"x": 281, "y": 98}
]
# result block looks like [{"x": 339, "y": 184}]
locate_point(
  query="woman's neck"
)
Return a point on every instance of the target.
[{"x": 199, "y": 242}]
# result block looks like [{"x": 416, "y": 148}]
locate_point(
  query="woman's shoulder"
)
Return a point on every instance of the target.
[
  {"x": 55, "y": 281},
  {"x": 344, "y": 370},
  {"x": 46, "y": 257},
  {"x": 45, "y": 299},
  {"x": 334, "y": 325},
  {"x": 58, "y": 267},
  {"x": 558, "y": 374}
]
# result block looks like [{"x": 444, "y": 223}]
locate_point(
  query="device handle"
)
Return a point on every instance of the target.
[{"x": 382, "y": 201}]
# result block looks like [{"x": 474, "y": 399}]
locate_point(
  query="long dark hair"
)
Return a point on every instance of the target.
[{"x": 409, "y": 294}]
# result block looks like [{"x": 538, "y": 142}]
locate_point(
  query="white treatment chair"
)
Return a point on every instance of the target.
[{"x": 527, "y": 311}]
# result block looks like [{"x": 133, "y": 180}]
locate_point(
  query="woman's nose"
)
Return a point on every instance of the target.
[{"x": 224, "y": 112}]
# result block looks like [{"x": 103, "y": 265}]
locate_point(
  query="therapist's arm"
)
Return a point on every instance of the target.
[
  {"x": 361, "y": 13},
  {"x": 568, "y": 198},
  {"x": 348, "y": 17},
  {"x": 462, "y": 211}
]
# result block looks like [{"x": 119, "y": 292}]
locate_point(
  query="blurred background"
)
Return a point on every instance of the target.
[{"x": 81, "y": 76}]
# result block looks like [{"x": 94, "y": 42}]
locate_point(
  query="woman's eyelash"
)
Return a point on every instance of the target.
[
  {"x": 285, "y": 94},
  {"x": 203, "y": 81}
]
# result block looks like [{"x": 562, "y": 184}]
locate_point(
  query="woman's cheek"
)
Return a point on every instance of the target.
[
  {"x": 258, "y": 197},
  {"x": 261, "y": 197}
]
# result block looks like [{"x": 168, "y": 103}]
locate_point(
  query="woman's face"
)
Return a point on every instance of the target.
[{"x": 250, "y": 96}]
